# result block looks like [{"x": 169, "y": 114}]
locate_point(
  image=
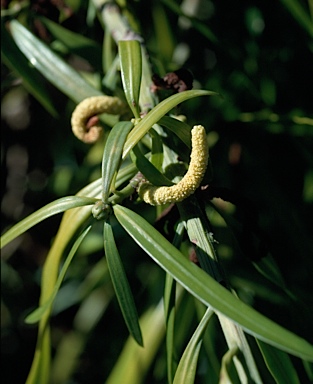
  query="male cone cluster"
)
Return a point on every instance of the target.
[{"x": 89, "y": 108}]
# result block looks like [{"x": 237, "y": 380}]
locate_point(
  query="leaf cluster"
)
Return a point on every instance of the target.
[{"x": 241, "y": 310}]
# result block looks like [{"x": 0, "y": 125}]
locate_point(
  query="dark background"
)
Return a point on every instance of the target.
[{"x": 262, "y": 156}]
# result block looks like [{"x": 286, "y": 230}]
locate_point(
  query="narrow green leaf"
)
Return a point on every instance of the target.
[
  {"x": 187, "y": 366},
  {"x": 208, "y": 344},
  {"x": 279, "y": 364},
  {"x": 198, "y": 232},
  {"x": 268, "y": 268},
  {"x": 112, "y": 75},
  {"x": 117, "y": 25},
  {"x": 51, "y": 65},
  {"x": 156, "y": 149},
  {"x": 170, "y": 312},
  {"x": 206, "y": 289},
  {"x": 121, "y": 285},
  {"x": 157, "y": 113},
  {"x": 182, "y": 133},
  {"x": 147, "y": 99},
  {"x": 125, "y": 174},
  {"x": 199, "y": 25},
  {"x": 163, "y": 32},
  {"x": 75, "y": 42},
  {"x": 147, "y": 169},
  {"x": 169, "y": 289},
  {"x": 170, "y": 309},
  {"x": 17, "y": 62},
  {"x": 308, "y": 369},
  {"x": 181, "y": 129},
  {"x": 37, "y": 314},
  {"x": 112, "y": 154},
  {"x": 244, "y": 365},
  {"x": 300, "y": 14},
  {"x": 70, "y": 223},
  {"x": 40, "y": 369},
  {"x": 131, "y": 70},
  {"x": 54, "y": 69},
  {"x": 108, "y": 54},
  {"x": 43, "y": 213},
  {"x": 228, "y": 372}
]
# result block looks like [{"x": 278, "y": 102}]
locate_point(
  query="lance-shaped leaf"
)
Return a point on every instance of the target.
[
  {"x": 131, "y": 69},
  {"x": 112, "y": 154},
  {"x": 75, "y": 42},
  {"x": 43, "y": 213},
  {"x": 228, "y": 372},
  {"x": 181, "y": 129},
  {"x": 37, "y": 314},
  {"x": 199, "y": 25},
  {"x": 150, "y": 172},
  {"x": 206, "y": 289},
  {"x": 53, "y": 68},
  {"x": 157, "y": 113},
  {"x": 300, "y": 13},
  {"x": 170, "y": 312},
  {"x": 187, "y": 366},
  {"x": 156, "y": 149},
  {"x": 170, "y": 308},
  {"x": 72, "y": 220},
  {"x": 279, "y": 364},
  {"x": 121, "y": 285},
  {"x": 56, "y": 70},
  {"x": 163, "y": 32},
  {"x": 32, "y": 80}
]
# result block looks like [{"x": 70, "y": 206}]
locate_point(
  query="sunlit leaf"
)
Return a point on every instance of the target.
[
  {"x": 131, "y": 69},
  {"x": 156, "y": 149},
  {"x": 57, "y": 206},
  {"x": 206, "y": 289},
  {"x": 244, "y": 366},
  {"x": 56, "y": 70},
  {"x": 157, "y": 113},
  {"x": 16, "y": 61},
  {"x": 40, "y": 369},
  {"x": 228, "y": 371},
  {"x": 71, "y": 221},
  {"x": 112, "y": 154},
  {"x": 53, "y": 68}
]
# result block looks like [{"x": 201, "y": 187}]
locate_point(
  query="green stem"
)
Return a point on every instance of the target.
[{"x": 119, "y": 196}]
